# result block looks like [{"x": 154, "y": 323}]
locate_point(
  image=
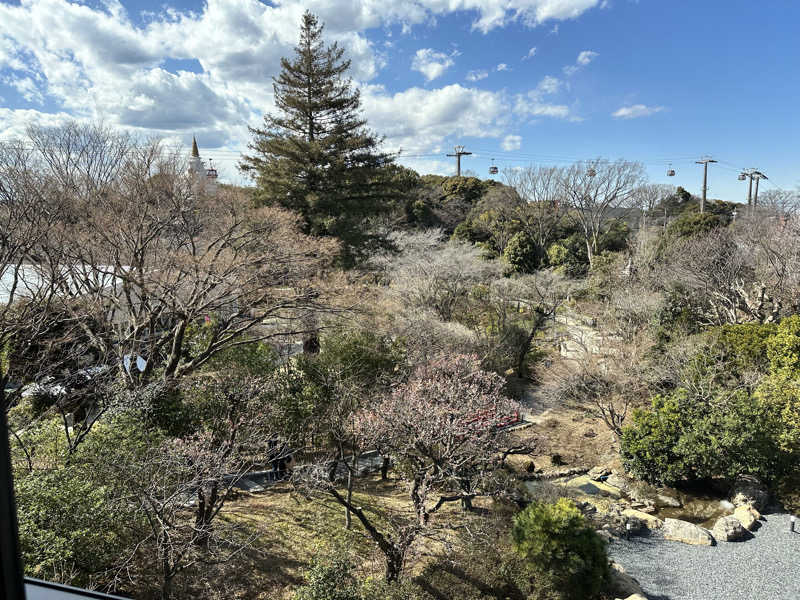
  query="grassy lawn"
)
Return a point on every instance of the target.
[{"x": 292, "y": 529}]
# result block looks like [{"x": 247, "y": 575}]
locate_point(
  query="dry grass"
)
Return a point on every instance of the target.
[{"x": 292, "y": 530}]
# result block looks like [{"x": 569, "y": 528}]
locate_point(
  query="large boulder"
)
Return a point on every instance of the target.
[
  {"x": 747, "y": 516},
  {"x": 688, "y": 533},
  {"x": 633, "y": 597},
  {"x": 650, "y": 521},
  {"x": 622, "y": 583},
  {"x": 748, "y": 490},
  {"x": 594, "y": 488},
  {"x": 729, "y": 529}
]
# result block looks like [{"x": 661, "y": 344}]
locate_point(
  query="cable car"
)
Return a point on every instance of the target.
[
  {"x": 670, "y": 171},
  {"x": 591, "y": 172},
  {"x": 742, "y": 177},
  {"x": 492, "y": 169},
  {"x": 211, "y": 172}
]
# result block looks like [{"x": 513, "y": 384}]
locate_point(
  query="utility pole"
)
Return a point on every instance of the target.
[
  {"x": 752, "y": 174},
  {"x": 459, "y": 153},
  {"x": 704, "y": 162},
  {"x": 748, "y": 174},
  {"x": 757, "y": 175}
]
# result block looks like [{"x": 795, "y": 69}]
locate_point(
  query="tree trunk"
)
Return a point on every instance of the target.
[
  {"x": 523, "y": 352},
  {"x": 348, "y": 518},
  {"x": 166, "y": 583},
  {"x": 394, "y": 553},
  {"x": 204, "y": 514},
  {"x": 394, "y": 564}
]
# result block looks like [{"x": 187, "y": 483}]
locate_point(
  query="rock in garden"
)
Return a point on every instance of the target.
[
  {"x": 729, "y": 529},
  {"x": 688, "y": 533},
  {"x": 749, "y": 490},
  {"x": 605, "y": 535},
  {"x": 597, "y": 472},
  {"x": 649, "y": 521},
  {"x": 667, "y": 498},
  {"x": 747, "y": 516},
  {"x": 622, "y": 583},
  {"x": 619, "y": 481}
]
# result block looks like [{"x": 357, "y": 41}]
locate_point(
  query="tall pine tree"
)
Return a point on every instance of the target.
[{"x": 315, "y": 155}]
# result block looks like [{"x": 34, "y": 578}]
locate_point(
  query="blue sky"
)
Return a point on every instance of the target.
[{"x": 655, "y": 81}]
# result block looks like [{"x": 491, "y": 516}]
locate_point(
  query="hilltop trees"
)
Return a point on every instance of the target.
[
  {"x": 152, "y": 268},
  {"x": 316, "y": 155},
  {"x": 598, "y": 191}
]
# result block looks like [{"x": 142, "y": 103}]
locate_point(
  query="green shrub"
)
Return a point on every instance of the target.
[
  {"x": 569, "y": 255},
  {"x": 783, "y": 348},
  {"x": 68, "y": 527},
  {"x": 648, "y": 446},
  {"x": 557, "y": 538},
  {"x": 690, "y": 224},
  {"x": 523, "y": 254},
  {"x": 683, "y": 439},
  {"x": 781, "y": 393},
  {"x": 334, "y": 578},
  {"x": 331, "y": 579},
  {"x": 744, "y": 346},
  {"x": 615, "y": 237},
  {"x": 487, "y": 569}
]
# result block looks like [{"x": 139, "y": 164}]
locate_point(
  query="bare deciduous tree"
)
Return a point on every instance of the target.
[
  {"x": 646, "y": 198},
  {"x": 180, "y": 484},
  {"x": 444, "y": 428},
  {"x": 152, "y": 256},
  {"x": 597, "y": 191},
  {"x": 541, "y": 191},
  {"x": 717, "y": 272},
  {"x": 435, "y": 275}
]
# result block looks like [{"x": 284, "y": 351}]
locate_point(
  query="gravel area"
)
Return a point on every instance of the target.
[{"x": 765, "y": 567}]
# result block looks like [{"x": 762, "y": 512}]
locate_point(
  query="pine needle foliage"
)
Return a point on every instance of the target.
[{"x": 315, "y": 154}]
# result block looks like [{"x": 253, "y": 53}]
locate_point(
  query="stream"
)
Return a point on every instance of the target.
[{"x": 702, "y": 509}]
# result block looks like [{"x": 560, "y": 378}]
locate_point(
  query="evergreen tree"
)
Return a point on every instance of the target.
[{"x": 315, "y": 155}]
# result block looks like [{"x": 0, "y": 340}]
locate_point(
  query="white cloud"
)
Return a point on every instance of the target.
[
  {"x": 531, "y": 53},
  {"x": 26, "y": 87},
  {"x": 503, "y": 67},
  {"x": 548, "y": 85},
  {"x": 536, "y": 104},
  {"x": 418, "y": 119},
  {"x": 91, "y": 60},
  {"x": 477, "y": 75},
  {"x": 430, "y": 63},
  {"x": 511, "y": 142},
  {"x": 497, "y": 13},
  {"x": 585, "y": 57},
  {"x": 635, "y": 111}
]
